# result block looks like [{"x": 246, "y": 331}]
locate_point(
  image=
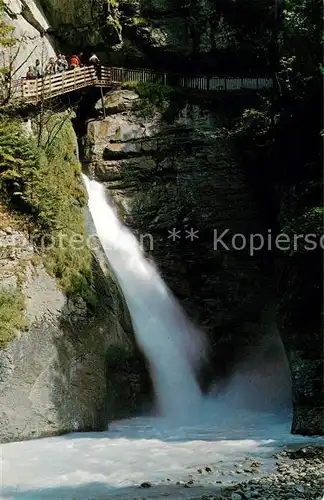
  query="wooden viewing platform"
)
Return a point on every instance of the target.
[{"x": 50, "y": 86}]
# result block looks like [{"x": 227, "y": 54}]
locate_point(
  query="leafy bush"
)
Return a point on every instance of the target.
[
  {"x": 253, "y": 122},
  {"x": 153, "y": 97},
  {"x": 310, "y": 223},
  {"x": 43, "y": 184},
  {"x": 11, "y": 314}
]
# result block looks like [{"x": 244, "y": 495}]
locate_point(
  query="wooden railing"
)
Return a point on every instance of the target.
[
  {"x": 204, "y": 83},
  {"x": 54, "y": 85},
  {"x": 71, "y": 80}
]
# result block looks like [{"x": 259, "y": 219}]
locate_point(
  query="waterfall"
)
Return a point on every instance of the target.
[{"x": 171, "y": 344}]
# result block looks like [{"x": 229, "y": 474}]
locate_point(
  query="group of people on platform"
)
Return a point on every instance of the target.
[{"x": 61, "y": 64}]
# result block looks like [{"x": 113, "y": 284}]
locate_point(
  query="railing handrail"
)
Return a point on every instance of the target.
[
  {"x": 48, "y": 86},
  {"x": 188, "y": 75},
  {"x": 147, "y": 70}
]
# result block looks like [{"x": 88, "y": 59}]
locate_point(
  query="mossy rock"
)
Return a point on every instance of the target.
[{"x": 11, "y": 314}]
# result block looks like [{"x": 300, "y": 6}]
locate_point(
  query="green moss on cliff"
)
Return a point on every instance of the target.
[
  {"x": 11, "y": 314},
  {"x": 43, "y": 185}
]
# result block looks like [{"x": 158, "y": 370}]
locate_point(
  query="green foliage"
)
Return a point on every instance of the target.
[
  {"x": 106, "y": 16},
  {"x": 6, "y": 38},
  {"x": 253, "y": 122},
  {"x": 310, "y": 223},
  {"x": 302, "y": 37},
  {"x": 139, "y": 21},
  {"x": 11, "y": 314},
  {"x": 44, "y": 185},
  {"x": 153, "y": 97}
]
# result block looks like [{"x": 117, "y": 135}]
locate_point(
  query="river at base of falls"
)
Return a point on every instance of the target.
[
  {"x": 215, "y": 431},
  {"x": 112, "y": 464}
]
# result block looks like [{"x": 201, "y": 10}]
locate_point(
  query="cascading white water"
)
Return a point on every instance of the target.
[
  {"x": 233, "y": 423},
  {"x": 172, "y": 345}
]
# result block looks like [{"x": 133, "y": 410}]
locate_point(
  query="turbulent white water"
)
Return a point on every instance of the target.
[
  {"x": 170, "y": 342},
  {"x": 112, "y": 464},
  {"x": 246, "y": 417}
]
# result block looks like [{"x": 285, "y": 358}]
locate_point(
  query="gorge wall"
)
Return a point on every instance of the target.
[
  {"x": 31, "y": 31},
  {"x": 68, "y": 359},
  {"x": 172, "y": 167},
  {"x": 202, "y": 36},
  {"x": 172, "y": 171},
  {"x": 66, "y": 363},
  {"x": 71, "y": 367},
  {"x": 167, "y": 166},
  {"x": 53, "y": 373}
]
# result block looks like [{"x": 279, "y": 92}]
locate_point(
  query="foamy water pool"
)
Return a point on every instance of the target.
[{"x": 104, "y": 465}]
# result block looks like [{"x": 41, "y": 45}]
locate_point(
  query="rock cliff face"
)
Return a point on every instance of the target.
[
  {"x": 58, "y": 375},
  {"x": 31, "y": 30},
  {"x": 176, "y": 182},
  {"x": 66, "y": 363},
  {"x": 201, "y": 35},
  {"x": 301, "y": 328},
  {"x": 73, "y": 21}
]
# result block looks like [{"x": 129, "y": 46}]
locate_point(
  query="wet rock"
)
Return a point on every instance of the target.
[
  {"x": 306, "y": 452},
  {"x": 236, "y": 496},
  {"x": 256, "y": 464},
  {"x": 208, "y": 469},
  {"x": 300, "y": 488},
  {"x": 146, "y": 484},
  {"x": 53, "y": 374}
]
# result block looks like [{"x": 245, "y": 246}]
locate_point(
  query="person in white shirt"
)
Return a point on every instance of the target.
[{"x": 94, "y": 59}]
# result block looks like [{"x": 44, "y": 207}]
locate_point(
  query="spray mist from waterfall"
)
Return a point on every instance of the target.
[{"x": 172, "y": 345}]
